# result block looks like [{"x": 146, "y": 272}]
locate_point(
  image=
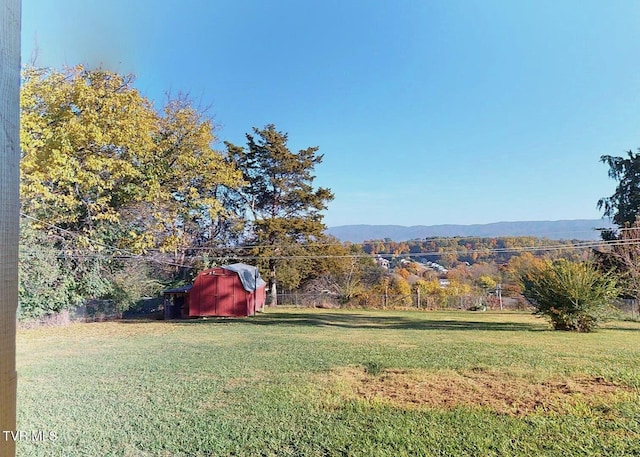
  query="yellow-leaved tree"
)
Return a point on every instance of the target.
[
  {"x": 99, "y": 161},
  {"x": 185, "y": 183},
  {"x": 83, "y": 135}
]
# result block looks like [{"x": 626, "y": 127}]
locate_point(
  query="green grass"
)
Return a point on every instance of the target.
[{"x": 320, "y": 382}]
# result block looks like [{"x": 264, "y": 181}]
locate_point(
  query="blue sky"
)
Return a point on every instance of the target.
[{"x": 427, "y": 112}]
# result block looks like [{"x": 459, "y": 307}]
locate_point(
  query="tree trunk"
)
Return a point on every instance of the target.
[
  {"x": 9, "y": 214},
  {"x": 273, "y": 289},
  {"x": 274, "y": 294}
]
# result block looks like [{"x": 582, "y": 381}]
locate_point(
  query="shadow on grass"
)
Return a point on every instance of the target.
[
  {"x": 622, "y": 328},
  {"x": 361, "y": 321}
]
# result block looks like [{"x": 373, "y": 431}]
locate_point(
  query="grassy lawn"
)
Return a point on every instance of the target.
[{"x": 331, "y": 382}]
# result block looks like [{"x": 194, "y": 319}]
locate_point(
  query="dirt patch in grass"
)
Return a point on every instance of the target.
[{"x": 500, "y": 392}]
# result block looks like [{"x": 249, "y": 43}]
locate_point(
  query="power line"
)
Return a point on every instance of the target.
[
  {"x": 382, "y": 255},
  {"x": 127, "y": 254},
  {"x": 578, "y": 245}
]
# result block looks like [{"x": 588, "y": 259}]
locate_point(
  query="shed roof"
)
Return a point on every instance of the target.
[
  {"x": 178, "y": 290},
  {"x": 249, "y": 275}
]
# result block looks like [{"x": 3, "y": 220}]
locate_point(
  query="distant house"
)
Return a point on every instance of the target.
[
  {"x": 437, "y": 267},
  {"x": 235, "y": 290},
  {"x": 382, "y": 262}
]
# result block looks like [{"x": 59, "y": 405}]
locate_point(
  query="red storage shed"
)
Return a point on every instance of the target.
[{"x": 231, "y": 290}]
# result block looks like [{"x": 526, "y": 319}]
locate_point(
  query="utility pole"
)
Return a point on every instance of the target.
[{"x": 10, "y": 11}]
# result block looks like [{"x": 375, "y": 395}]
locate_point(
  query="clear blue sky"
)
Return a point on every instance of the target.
[{"x": 427, "y": 112}]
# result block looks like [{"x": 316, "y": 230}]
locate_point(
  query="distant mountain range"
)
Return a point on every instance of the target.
[{"x": 579, "y": 229}]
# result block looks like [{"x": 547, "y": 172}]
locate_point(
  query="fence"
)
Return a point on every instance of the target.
[
  {"x": 628, "y": 308},
  {"x": 384, "y": 301},
  {"x": 98, "y": 311}
]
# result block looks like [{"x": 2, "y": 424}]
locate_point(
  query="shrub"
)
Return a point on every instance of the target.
[
  {"x": 574, "y": 296},
  {"x": 131, "y": 283},
  {"x": 45, "y": 287},
  {"x": 399, "y": 292}
]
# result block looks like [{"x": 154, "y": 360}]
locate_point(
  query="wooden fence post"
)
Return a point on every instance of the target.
[{"x": 10, "y": 11}]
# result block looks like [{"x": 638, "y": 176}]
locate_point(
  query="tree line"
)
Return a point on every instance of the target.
[{"x": 121, "y": 198}]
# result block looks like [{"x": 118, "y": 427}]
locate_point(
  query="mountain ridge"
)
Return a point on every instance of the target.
[{"x": 571, "y": 229}]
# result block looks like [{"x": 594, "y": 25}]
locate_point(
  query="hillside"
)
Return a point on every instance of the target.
[{"x": 579, "y": 229}]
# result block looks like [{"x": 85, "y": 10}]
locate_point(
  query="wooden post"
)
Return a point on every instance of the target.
[
  {"x": 9, "y": 214},
  {"x": 386, "y": 296},
  {"x": 255, "y": 291}
]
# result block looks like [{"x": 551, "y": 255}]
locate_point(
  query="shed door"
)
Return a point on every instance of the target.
[
  {"x": 228, "y": 297},
  {"x": 208, "y": 295},
  {"x": 218, "y": 295}
]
